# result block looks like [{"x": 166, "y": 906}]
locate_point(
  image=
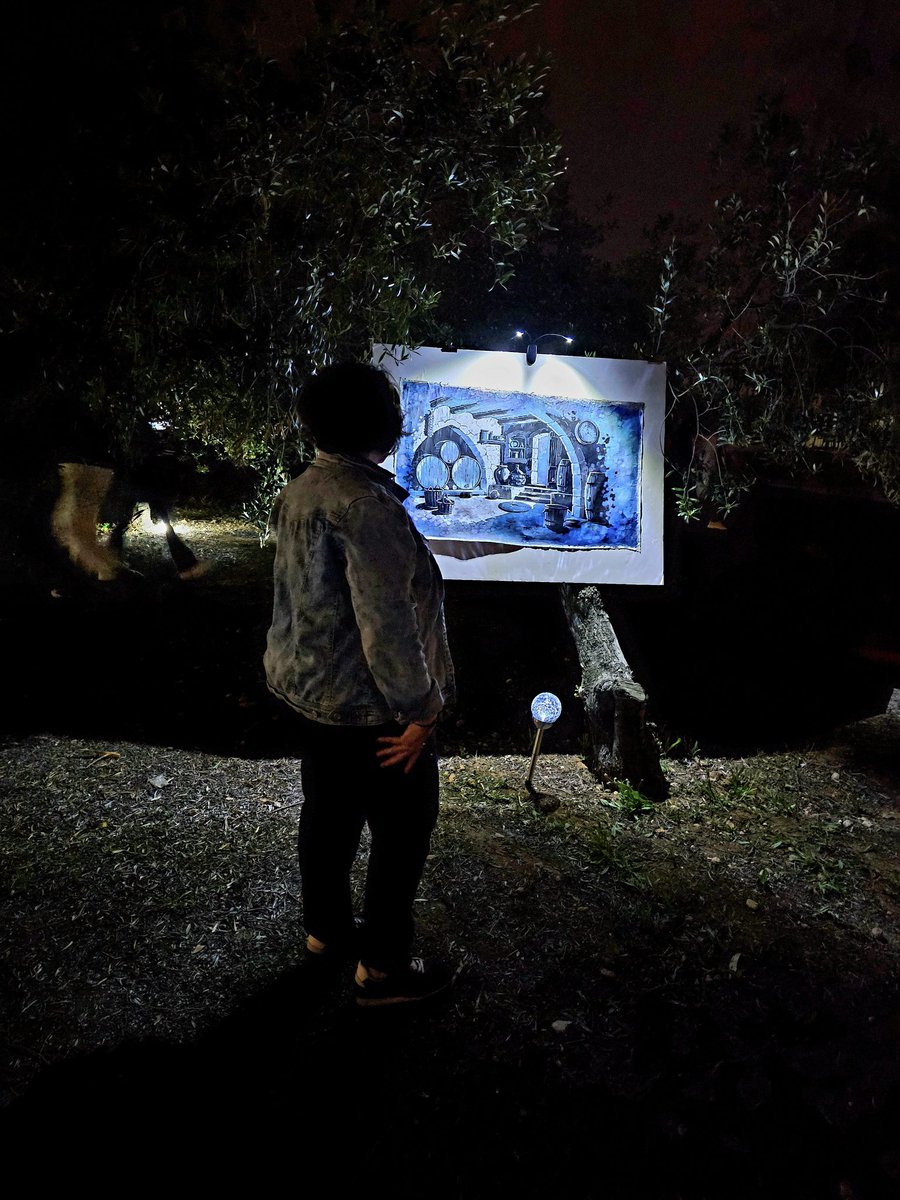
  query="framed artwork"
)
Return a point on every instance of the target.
[{"x": 546, "y": 473}]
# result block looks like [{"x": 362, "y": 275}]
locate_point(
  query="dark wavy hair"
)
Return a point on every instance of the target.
[{"x": 351, "y": 408}]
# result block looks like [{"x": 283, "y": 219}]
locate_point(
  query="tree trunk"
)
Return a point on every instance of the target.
[{"x": 622, "y": 747}]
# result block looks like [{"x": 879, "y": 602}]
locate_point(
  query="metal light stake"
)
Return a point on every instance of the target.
[{"x": 545, "y": 711}]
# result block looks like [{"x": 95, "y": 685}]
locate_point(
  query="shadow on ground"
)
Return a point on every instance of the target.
[{"x": 409, "y": 1097}]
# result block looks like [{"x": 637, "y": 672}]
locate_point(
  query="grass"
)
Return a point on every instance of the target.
[{"x": 630, "y": 799}]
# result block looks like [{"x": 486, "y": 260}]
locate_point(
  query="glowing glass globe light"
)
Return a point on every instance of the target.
[{"x": 546, "y": 709}]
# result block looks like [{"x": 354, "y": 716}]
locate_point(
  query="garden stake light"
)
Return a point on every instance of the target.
[{"x": 545, "y": 711}]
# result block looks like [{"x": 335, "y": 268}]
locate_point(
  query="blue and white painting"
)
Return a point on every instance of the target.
[
  {"x": 521, "y": 469},
  {"x": 548, "y": 471}
]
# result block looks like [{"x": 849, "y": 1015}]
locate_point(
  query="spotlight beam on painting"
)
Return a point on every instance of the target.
[{"x": 545, "y": 711}]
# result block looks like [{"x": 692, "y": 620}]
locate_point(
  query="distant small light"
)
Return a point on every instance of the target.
[
  {"x": 519, "y": 333},
  {"x": 148, "y": 525},
  {"x": 159, "y": 425}
]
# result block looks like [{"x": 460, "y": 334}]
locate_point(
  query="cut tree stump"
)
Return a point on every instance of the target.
[{"x": 622, "y": 746}]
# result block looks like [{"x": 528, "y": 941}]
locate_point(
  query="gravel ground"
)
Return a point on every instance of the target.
[{"x": 688, "y": 1000}]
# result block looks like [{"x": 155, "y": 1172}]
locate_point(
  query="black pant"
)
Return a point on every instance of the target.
[{"x": 344, "y": 788}]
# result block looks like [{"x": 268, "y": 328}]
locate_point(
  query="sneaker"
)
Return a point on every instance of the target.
[
  {"x": 337, "y": 951},
  {"x": 423, "y": 977}
]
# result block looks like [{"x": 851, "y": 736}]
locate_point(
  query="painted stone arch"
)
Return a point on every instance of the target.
[
  {"x": 429, "y": 449},
  {"x": 575, "y": 453}
]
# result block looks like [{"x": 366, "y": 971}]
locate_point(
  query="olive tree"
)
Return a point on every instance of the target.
[
  {"x": 780, "y": 323},
  {"x": 215, "y": 226}
]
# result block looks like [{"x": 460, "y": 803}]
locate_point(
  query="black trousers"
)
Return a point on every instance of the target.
[{"x": 344, "y": 788}]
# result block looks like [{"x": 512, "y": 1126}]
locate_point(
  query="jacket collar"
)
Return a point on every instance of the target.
[{"x": 378, "y": 474}]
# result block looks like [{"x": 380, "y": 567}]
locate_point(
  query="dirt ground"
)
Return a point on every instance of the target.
[{"x": 692, "y": 1000}]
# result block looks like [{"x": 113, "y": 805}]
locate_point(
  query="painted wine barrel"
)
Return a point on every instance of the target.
[
  {"x": 431, "y": 472},
  {"x": 466, "y": 473},
  {"x": 594, "y": 486},
  {"x": 554, "y": 517}
]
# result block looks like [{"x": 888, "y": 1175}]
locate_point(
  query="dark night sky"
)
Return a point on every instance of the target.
[{"x": 640, "y": 89}]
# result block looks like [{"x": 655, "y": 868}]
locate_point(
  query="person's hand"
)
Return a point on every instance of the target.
[{"x": 404, "y": 749}]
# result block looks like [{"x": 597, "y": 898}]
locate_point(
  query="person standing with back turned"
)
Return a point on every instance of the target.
[{"x": 358, "y": 649}]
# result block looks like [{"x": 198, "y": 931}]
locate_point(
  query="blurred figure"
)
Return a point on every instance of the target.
[
  {"x": 154, "y": 478},
  {"x": 83, "y": 489},
  {"x": 80, "y": 449}
]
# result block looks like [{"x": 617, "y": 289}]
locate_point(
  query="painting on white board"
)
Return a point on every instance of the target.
[{"x": 550, "y": 472}]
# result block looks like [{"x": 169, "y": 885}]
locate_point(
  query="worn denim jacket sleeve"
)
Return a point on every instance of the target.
[{"x": 380, "y": 553}]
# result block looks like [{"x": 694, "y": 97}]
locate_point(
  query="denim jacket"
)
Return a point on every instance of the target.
[{"x": 357, "y": 634}]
